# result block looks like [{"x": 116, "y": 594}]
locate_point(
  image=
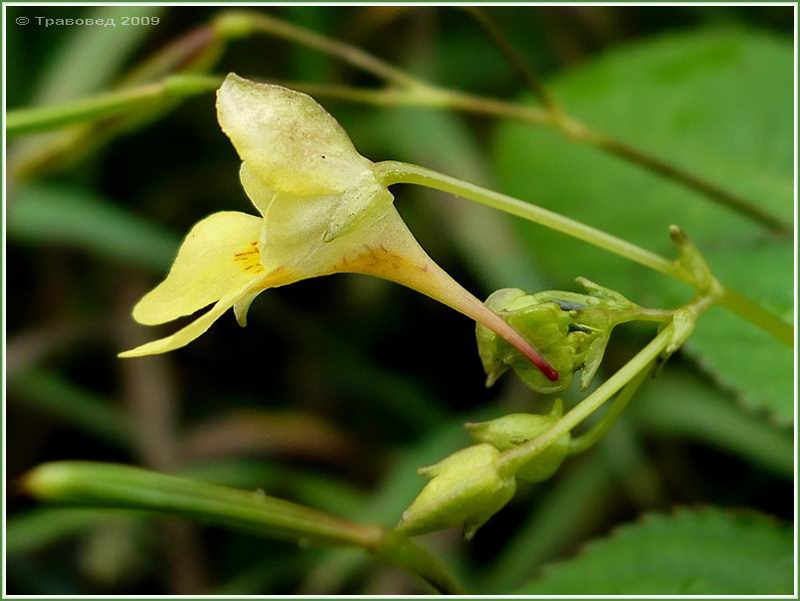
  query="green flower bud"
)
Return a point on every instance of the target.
[
  {"x": 465, "y": 490},
  {"x": 547, "y": 325},
  {"x": 510, "y": 431},
  {"x": 570, "y": 330}
]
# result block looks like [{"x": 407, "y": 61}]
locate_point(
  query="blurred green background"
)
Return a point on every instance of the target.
[{"x": 340, "y": 387}]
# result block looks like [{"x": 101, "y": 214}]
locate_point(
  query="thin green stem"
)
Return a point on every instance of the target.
[
  {"x": 395, "y": 172},
  {"x": 237, "y": 24},
  {"x": 656, "y": 315},
  {"x": 241, "y": 23},
  {"x": 181, "y": 86},
  {"x": 581, "y": 443},
  {"x": 123, "y": 487},
  {"x": 511, "y": 461},
  {"x": 758, "y": 315},
  {"x": 515, "y": 59},
  {"x": 572, "y": 128},
  {"x": 413, "y": 92},
  {"x": 391, "y": 96},
  {"x": 31, "y": 120}
]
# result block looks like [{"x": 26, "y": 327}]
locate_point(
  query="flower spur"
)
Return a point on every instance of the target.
[{"x": 323, "y": 209}]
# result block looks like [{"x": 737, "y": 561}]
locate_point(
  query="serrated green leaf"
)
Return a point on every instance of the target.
[
  {"x": 707, "y": 551},
  {"x": 740, "y": 357},
  {"x": 684, "y": 405},
  {"x": 688, "y": 99}
]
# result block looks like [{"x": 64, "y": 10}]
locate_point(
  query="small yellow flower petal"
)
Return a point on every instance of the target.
[
  {"x": 259, "y": 194},
  {"x": 325, "y": 211},
  {"x": 382, "y": 245},
  {"x": 219, "y": 254},
  {"x": 195, "y": 329},
  {"x": 242, "y": 306},
  {"x": 291, "y": 142}
]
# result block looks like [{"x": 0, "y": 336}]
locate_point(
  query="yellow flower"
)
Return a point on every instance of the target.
[{"x": 323, "y": 210}]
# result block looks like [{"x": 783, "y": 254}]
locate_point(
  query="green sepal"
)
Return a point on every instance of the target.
[{"x": 691, "y": 260}]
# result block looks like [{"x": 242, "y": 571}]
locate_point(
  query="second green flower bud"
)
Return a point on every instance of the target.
[{"x": 510, "y": 431}]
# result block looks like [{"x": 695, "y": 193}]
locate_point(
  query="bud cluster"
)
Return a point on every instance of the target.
[{"x": 469, "y": 487}]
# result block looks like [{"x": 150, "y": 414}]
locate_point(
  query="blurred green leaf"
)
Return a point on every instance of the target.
[
  {"x": 689, "y": 99},
  {"x": 58, "y": 397},
  {"x": 38, "y": 528},
  {"x": 569, "y": 506},
  {"x": 683, "y": 405},
  {"x": 264, "y": 576},
  {"x": 122, "y": 487},
  {"x": 398, "y": 489},
  {"x": 350, "y": 371},
  {"x": 112, "y": 486},
  {"x": 307, "y": 64},
  {"x": 705, "y": 551},
  {"x": 317, "y": 490},
  {"x": 54, "y": 150},
  {"x": 49, "y": 215},
  {"x": 78, "y": 68}
]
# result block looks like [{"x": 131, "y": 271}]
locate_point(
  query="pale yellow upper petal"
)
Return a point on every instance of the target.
[
  {"x": 288, "y": 140},
  {"x": 220, "y": 254}
]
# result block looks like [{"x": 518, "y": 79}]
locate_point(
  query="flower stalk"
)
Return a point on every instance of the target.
[
  {"x": 396, "y": 172},
  {"x": 588, "y": 439},
  {"x": 512, "y": 461}
]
